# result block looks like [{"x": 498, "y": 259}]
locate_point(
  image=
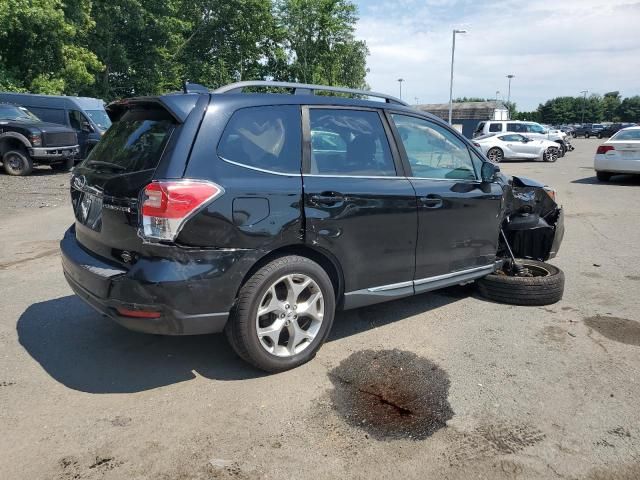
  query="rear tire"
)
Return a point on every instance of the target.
[
  {"x": 17, "y": 163},
  {"x": 604, "y": 176},
  {"x": 65, "y": 166},
  {"x": 537, "y": 290},
  {"x": 586, "y": 135},
  {"x": 290, "y": 314},
  {"x": 495, "y": 154},
  {"x": 551, "y": 154}
]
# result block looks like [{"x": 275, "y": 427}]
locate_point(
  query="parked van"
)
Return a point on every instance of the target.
[{"x": 83, "y": 114}]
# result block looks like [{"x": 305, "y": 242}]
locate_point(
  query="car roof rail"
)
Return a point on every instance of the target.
[{"x": 304, "y": 89}]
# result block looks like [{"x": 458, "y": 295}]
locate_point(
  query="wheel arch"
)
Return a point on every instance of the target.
[
  {"x": 325, "y": 259},
  {"x": 12, "y": 140}
]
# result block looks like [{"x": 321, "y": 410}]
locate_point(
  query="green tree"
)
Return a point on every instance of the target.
[
  {"x": 41, "y": 49},
  {"x": 319, "y": 42},
  {"x": 629, "y": 109},
  {"x": 610, "y": 104}
]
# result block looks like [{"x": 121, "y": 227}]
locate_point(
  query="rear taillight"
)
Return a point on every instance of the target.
[
  {"x": 602, "y": 149},
  {"x": 168, "y": 204},
  {"x": 476, "y": 144}
]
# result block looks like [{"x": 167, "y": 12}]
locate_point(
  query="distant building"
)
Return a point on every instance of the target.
[{"x": 466, "y": 115}]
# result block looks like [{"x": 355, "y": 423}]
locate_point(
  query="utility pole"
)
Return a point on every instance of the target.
[
  {"x": 400, "y": 80},
  {"x": 497, "y": 93},
  {"x": 453, "y": 55},
  {"x": 584, "y": 102},
  {"x": 416, "y": 99},
  {"x": 510, "y": 76}
]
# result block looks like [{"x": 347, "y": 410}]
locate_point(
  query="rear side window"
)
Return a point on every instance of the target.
[
  {"x": 49, "y": 115},
  {"x": 516, "y": 127},
  {"x": 349, "y": 142},
  {"x": 495, "y": 127},
  {"x": 134, "y": 143},
  {"x": 479, "y": 127},
  {"x": 268, "y": 138}
]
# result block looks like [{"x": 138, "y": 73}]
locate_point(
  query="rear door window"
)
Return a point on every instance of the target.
[
  {"x": 495, "y": 127},
  {"x": 267, "y": 138},
  {"x": 134, "y": 143},
  {"x": 349, "y": 142},
  {"x": 516, "y": 127}
]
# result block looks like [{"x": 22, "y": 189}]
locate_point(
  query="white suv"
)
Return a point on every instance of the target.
[{"x": 530, "y": 129}]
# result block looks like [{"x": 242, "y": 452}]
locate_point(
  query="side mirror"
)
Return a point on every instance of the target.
[
  {"x": 489, "y": 171},
  {"x": 86, "y": 127}
]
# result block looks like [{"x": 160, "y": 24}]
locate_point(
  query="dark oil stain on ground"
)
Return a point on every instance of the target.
[
  {"x": 391, "y": 394},
  {"x": 618, "y": 329}
]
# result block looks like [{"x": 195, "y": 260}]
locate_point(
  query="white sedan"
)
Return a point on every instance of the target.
[
  {"x": 514, "y": 146},
  {"x": 619, "y": 154}
]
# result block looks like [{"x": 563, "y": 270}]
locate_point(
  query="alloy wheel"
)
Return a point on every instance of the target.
[
  {"x": 289, "y": 315},
  {"x": 495, "y": 155}
]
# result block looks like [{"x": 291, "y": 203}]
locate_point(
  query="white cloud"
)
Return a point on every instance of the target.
[{"x": 554, "y": 48}]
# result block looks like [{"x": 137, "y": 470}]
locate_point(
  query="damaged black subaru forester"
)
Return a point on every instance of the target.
[{"x": 260, "y": 214}]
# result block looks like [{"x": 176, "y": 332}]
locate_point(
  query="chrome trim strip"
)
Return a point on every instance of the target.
[
  {"x": 392, "y": 286},
  {"x": 258, "y": 169},
  {"x": 422, "y": 281}
]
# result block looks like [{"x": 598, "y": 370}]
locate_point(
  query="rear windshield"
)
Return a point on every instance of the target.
[
  {"x": 627, "y": 135},
  {"x": 134, "y": 143}
]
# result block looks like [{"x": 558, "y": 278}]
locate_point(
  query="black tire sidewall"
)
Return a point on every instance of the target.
[
  {"x": 26, "y": 161},
  {"x": 245, "y": 339},
  {"x": 533, "y": 291}
]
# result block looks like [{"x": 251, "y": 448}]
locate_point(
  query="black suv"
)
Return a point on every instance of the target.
[
  {"x": 25, "y": 140},
  {"x": 260, "y": 214},
  {"x": 588, "y": 130}
]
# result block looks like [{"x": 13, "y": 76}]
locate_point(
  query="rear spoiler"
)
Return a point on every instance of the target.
[{"x": 179, "y": 106}]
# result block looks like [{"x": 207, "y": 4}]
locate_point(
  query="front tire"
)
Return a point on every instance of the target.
[
  {"x": 495, "y": 154},
  {"x": 544, "y": 287},
  {"x": 586, "y": 135},
  {"x": 17, "y": 163},
  {"x": 283, "y": 314}
]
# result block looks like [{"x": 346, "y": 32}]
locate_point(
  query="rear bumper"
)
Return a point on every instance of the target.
[
  {"x": 616, "y": 165},
  {"x": 107, "y": 287}
]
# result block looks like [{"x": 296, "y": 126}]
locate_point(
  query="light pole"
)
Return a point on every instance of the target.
[
  {"x": 400, "y": 80},
  {"x": 510, "y": 76},
  {"x": 453, "y": 54},
  {"x": 497, "y": 93},
  {"x": 416, "y": 99},
  {"x": 584, "y": 102}
]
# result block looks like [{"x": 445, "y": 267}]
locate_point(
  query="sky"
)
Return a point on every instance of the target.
[{"x": 553, "y": 47}]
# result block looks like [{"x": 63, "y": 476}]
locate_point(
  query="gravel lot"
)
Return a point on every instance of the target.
[{"x": 443, "y": 385}]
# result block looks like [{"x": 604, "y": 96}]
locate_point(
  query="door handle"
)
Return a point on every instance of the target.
[
  {"x": 432, "y": 201},
  {"x": 327, "y": 198}
]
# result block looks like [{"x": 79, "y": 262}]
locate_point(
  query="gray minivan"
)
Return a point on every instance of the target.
[{"x": 84, "y": 114}]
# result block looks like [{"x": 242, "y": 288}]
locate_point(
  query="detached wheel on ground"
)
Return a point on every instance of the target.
[
  {"x": 604, "y": 176},
  {"x": 65, "y": 166},
  {"x": 539, "y": 283},
  {"x": 17, "y": 162},
  {"x": 283, "y": 314},
  {"x": 495, "y": 154}
]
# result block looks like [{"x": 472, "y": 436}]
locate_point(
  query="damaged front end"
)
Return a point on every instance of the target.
[{"x": 533, "y": 223}]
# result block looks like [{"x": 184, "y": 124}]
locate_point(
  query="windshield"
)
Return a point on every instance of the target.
[
  {"x": 627, "y": 135},
  {"x": 134, "y": 143},
  {"x": 11, "y": 112},
  {"x": 100, "y": 118}
]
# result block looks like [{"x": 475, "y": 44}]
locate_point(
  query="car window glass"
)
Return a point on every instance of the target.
[
  {"x": 76, "y": 118},
  {"x": 533, "y": 128},
  {"x": 49, "y": 115},
  {"x": 627, "y": 135},
  {"x": 433, "y": 151},
  {"x": 511, "y": 138},
  {"x": 480, "y": 127},
  {"x": 266, "y": 137},
  {"x": 349, "y": 142},
  {"x": 515, "y": 127},
  {"x": 495, "y": 127}
]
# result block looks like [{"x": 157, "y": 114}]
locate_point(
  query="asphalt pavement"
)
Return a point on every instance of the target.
[{"x": 445, "y": 385}]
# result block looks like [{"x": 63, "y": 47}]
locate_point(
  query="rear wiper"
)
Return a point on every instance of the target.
[{"x": 98, "y": 163}]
